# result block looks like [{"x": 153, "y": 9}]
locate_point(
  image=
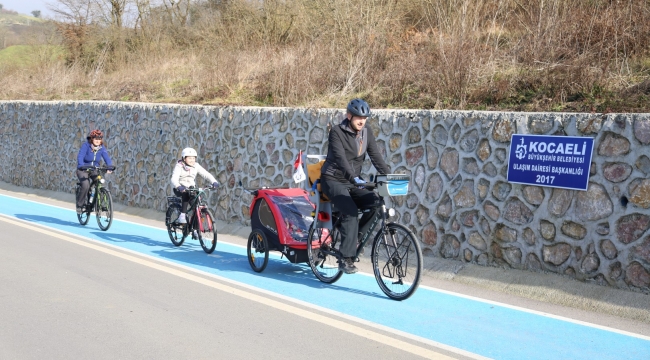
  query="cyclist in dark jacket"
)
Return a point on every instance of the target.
[
  {"x": 349, "y": 142},
  {"x": 90, "y": 154}
]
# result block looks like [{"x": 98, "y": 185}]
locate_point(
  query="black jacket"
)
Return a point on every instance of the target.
[{"x": 347, "y": 150}]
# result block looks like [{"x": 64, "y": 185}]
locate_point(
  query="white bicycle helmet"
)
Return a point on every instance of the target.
[{"x": 188, "y": 152}]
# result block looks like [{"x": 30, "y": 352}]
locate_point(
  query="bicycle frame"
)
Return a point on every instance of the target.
[
  {"x": 97, "y": 182},
  {"x": 97, "y": 185},
  {"x": 380, "y": 216},
  {"x": 196, "y": 204}
]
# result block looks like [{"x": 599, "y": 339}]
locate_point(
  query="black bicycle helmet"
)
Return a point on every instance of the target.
[{"x": 358, "y": 107}]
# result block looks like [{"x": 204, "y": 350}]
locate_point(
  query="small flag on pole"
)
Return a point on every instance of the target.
[{"x": 298, "y": 171}]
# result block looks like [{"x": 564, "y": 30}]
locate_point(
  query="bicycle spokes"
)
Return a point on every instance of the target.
[
  {"x": 206, "y": 231},
  {"x": 322, "y": 254},
  {"x": 257, "y": 250},
  {"x": 398, "y": 257},
  {"x": 104, "y": 209},
  {"x": 397, "y": 261}
]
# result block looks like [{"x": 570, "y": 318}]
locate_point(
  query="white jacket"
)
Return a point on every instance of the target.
[{"x": 185, "y": 175}]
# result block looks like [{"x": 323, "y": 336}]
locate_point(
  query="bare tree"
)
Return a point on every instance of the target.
[
  {"x": 143, "y": 7},
  {"x": 177, "y": 11},
  {"x": 88, "y": 11},
  {"x": 78, "y": 12},
  {"x": 117, "y": 8}
]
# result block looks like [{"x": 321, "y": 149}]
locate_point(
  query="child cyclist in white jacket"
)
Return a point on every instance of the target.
[{"x": 183, "y": 177}]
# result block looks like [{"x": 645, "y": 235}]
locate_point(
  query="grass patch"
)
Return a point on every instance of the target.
[
  {"x": 10, "y": 19},
  {"x": 22, "y": 56},
  {"x": 17, "y": 55}
]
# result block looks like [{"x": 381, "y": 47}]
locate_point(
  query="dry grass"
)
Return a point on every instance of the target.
[{"x": 551, "y": 55}]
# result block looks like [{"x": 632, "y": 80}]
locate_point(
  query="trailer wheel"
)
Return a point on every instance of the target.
[{"x": 257, "y": 250}]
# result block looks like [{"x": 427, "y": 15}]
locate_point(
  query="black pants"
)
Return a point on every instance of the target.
[
  {"x": 185, "y": 199},
  {"x": 85, "y": 178},
  {"x": 347, "y": 198}
]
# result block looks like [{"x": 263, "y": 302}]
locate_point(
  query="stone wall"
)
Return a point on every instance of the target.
[{"x": 460, "y": 204}]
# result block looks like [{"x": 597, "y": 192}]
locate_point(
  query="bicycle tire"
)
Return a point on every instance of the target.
[
  {"x": 85, "y": 215},
  {"x": 257, "y": 251},
  {"x": 174, "y": 231},
  {"x": 324, "y": 266},
  {"x": 397, "y": 269},
  {"x": 104, "y": 209},
  {"x": 207, "y": 237}
]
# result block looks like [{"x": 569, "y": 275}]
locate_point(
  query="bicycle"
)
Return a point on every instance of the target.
[
  {"x": 99, "y": 198},
  {"x": 396, "y": 255},
  {"x": 200, "y": 221}
]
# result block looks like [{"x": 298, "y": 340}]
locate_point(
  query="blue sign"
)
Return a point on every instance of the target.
[{"x": 554, "y": 161}]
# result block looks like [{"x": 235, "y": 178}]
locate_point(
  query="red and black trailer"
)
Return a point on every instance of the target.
[{"x": 280, "y": 221}]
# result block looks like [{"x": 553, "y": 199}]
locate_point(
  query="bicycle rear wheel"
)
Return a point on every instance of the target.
[
  {"x": 174, "y": 231},
  {"x": 104, "y": 209},
  {"x": 320, "y": 249},
  {"x": 397, "y": 261},
  {"x": 84, "y": 216},
  {"x": 207, "y": 236},
  {"x": 257, "y": 250}
]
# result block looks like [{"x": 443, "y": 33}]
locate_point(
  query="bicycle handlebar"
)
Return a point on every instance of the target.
[
  {"x": 195, "y": 189},
  {"x": 369, "y": 186},
  {"x": 99, "y": 168}
]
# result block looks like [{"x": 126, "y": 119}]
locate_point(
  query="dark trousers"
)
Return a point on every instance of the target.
[
  {"x": 185, "y": 199},
  {"x": 347, "y": 198},
  {"x": 84, "y": 180}
]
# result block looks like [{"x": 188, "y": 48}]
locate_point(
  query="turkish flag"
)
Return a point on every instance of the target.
[{"x": 298, "y": 171}]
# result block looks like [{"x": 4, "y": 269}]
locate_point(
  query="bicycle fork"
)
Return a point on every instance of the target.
[
  {"x": 394, "y": 264},
  {"x": 200, "y": 218}
]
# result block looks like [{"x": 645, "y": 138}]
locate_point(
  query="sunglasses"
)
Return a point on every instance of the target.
[{"x": 98, "y": 137}]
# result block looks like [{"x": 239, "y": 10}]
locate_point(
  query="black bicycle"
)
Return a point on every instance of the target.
[
  {"x": 200, "y": 221},
  {"x": 396, "y": 255},
  {"x": 99, "y": 198}
]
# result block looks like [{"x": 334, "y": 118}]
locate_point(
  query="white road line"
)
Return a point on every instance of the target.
[{"x": 342, "y": 325}]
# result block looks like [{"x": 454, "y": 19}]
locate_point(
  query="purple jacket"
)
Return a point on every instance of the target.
[{"x": 88, "y": 157}]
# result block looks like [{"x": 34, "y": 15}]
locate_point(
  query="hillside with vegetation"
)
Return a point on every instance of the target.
[{"x": 522, "y": 55}]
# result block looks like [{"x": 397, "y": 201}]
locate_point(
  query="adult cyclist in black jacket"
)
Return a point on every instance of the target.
[{"x": 349, "y": 142}]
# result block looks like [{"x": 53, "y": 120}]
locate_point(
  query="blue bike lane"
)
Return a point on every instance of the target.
[{"x": 481, "y": 327}]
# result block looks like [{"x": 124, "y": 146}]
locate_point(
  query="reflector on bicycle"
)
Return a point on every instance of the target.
[
  {"x": 323, "y": 216},
  {"x": 393, "y": 184}
]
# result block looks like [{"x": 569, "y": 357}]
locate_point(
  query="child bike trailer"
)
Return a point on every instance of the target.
[{"x": 280, "y": 221}]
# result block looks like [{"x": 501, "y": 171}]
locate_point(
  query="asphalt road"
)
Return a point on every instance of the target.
[
  {"x": 73, "y": 291},
  {"x": 61, "y": 300}
]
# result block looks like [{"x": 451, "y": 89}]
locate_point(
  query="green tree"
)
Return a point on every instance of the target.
[{"x": 36, "y": 13}]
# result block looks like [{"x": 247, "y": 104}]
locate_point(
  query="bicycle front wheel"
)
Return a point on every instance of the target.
[
  {"x": 207, "y": 236},
  {"x": 397, "y": 261},
  {"x": 104, "y": 209},
  {"x": 320, "y": 254}
]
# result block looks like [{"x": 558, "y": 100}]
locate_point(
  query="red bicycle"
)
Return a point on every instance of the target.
[{"x": 200, "y": 222}]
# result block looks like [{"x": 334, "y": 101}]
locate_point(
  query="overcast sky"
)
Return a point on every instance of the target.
[{"x": 27, "y": 6}]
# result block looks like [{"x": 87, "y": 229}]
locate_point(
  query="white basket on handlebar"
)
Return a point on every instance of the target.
[{"x": 393, "y": 184}]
